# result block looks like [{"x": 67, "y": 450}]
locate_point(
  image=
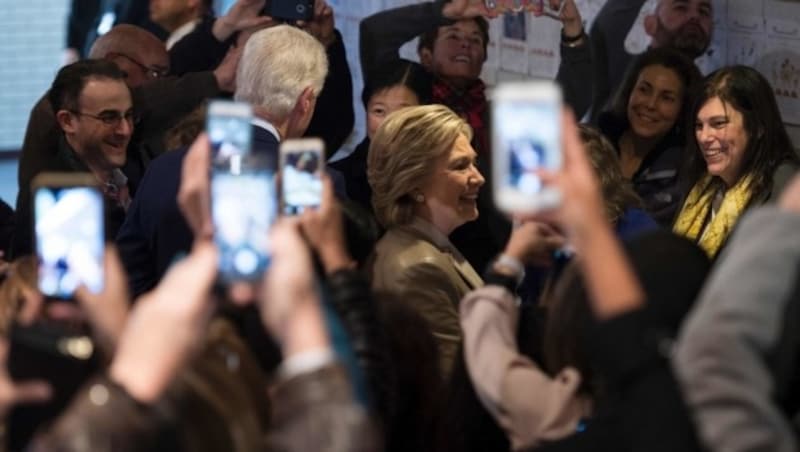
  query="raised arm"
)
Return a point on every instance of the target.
[
  {"x": 382, "y": 34},
  {"x": 576, "y": 61},
  {"x": 607, "y": 39}
]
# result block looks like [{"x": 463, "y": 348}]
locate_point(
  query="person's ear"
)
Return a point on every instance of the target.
[
  {"x": 66, "y": 120},
  {"x": 650, "y": 24},
  {"x": 306, "y": 101},
  {"x": 426, "y": 58}
]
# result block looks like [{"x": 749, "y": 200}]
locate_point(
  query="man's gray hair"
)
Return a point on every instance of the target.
[{"x": 278, "y": 63}]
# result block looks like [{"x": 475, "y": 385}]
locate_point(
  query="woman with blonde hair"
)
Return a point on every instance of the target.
[{"x": 425, "y": 184}]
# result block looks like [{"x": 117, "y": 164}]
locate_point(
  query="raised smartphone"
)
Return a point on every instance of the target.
[
  {"x": 243, "y": 207},
  {"x": 229, "y": 129},
  {"x": 526, "y": 137},
  {"x": 69, "y": 233},
  {"x": 289, "y": 10},
  {"x": 301, "y": 166}
]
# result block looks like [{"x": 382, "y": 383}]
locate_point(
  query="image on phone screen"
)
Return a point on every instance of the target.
[
  {"x": 301, "y": 183},
  {"x": 530, "y": 137},
  {"x": 230, "y": 137},
  {"x": 244, "y": 207},
  {"x": 69, "y": 239}
]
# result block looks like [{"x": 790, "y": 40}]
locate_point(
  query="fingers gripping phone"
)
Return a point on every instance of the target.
[
  {"x": 230, "y": 132},
  {"x": 526, "y": 137},
  {"x": 69, "y": 233},
  {"x": 301, "y": 175}
]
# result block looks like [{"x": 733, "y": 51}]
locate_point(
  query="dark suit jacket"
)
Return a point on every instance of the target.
[
  {"x": 66, "y": 161},
  {"x": 155, "y": 231}
]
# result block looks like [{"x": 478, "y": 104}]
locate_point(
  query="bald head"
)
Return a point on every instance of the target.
[{"x": 135, "y": 50}]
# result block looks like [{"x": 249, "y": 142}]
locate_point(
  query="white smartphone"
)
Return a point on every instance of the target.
[
  {"x": 526, "y": 137},
  {"x": 243, "y": 208},
  {"x": 301, "y": 167},
  {"x": 229, "y": 129},
  {"x": 69, "y": 232}
]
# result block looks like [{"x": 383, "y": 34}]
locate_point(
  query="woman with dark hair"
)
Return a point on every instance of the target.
[
  {"x": 741, "y": 156},
  {"x": 392, "y": 87},
  {"x": 646, "y": 125}
]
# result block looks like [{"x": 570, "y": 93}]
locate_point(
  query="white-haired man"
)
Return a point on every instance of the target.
[{"x": 281, "y": 73}]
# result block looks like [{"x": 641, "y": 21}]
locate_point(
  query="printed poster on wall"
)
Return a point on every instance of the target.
[
  {"x": 513, "y": 43},
  {"x": 543, "y": 47}
]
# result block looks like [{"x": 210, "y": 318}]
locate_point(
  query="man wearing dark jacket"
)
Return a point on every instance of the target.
[{"x": 94, "y": 112}]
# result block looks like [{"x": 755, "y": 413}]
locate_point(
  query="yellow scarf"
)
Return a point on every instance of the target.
[{"x": 697, "y": 208}]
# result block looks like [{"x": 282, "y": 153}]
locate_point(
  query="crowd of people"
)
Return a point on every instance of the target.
[{"x": 653, "y": 308}]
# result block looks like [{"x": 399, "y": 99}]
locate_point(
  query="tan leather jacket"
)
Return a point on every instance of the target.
[{"x": 419, "y": 264}]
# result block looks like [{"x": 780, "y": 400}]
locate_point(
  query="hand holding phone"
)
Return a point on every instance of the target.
[
  {"x": 526, "y": 128},
  {"x": 301, "y": 175},
  {"x": 289, "y": 10},
  {"x": 69, "y": 231}
]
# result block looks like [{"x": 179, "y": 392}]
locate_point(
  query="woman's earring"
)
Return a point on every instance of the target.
[{"x": 419, "y": 197}]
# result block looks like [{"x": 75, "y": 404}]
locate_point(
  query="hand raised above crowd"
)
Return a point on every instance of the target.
[
  {"x": 533, "y": 243},
  {"x": 321, "y": 25},
  {"x": 324, "y": 230},
  {"x": 194, "y": 193},
  {"x": 243, "y": 15},
  {"x": 466, "y": 9},
  {"x": 107, "y": 311},
  {"x": 166, "y": 326},
  {"x": 289, "y": 303}
]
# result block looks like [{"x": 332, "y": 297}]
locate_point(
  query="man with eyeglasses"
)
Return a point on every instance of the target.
[{"x": 94, "y": 110}]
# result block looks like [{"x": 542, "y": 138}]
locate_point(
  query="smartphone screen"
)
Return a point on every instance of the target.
[
  {"x": 244, "y": 207},
  {"x": 69, "y": 239},
  {"x": 301, "y": 180},
  {"x": 230, "y": 132},
  {"x": 527, "y": 128}
]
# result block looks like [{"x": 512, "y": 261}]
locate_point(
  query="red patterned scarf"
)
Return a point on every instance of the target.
[{"x": 470, "y": 104}]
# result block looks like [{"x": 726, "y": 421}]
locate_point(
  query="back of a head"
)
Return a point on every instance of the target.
[
  {"x": 403, "y": 152},
  {"x": 128, "y": 40},
  {"x": 277, "y": 65},
  {"x": 70, "y": 80},
  {"x": 618, "y": 193}
]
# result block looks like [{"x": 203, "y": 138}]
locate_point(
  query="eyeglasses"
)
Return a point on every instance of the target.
[
  {"x": 151, "y": 72},
  {"x": 112, "y": 118}
]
